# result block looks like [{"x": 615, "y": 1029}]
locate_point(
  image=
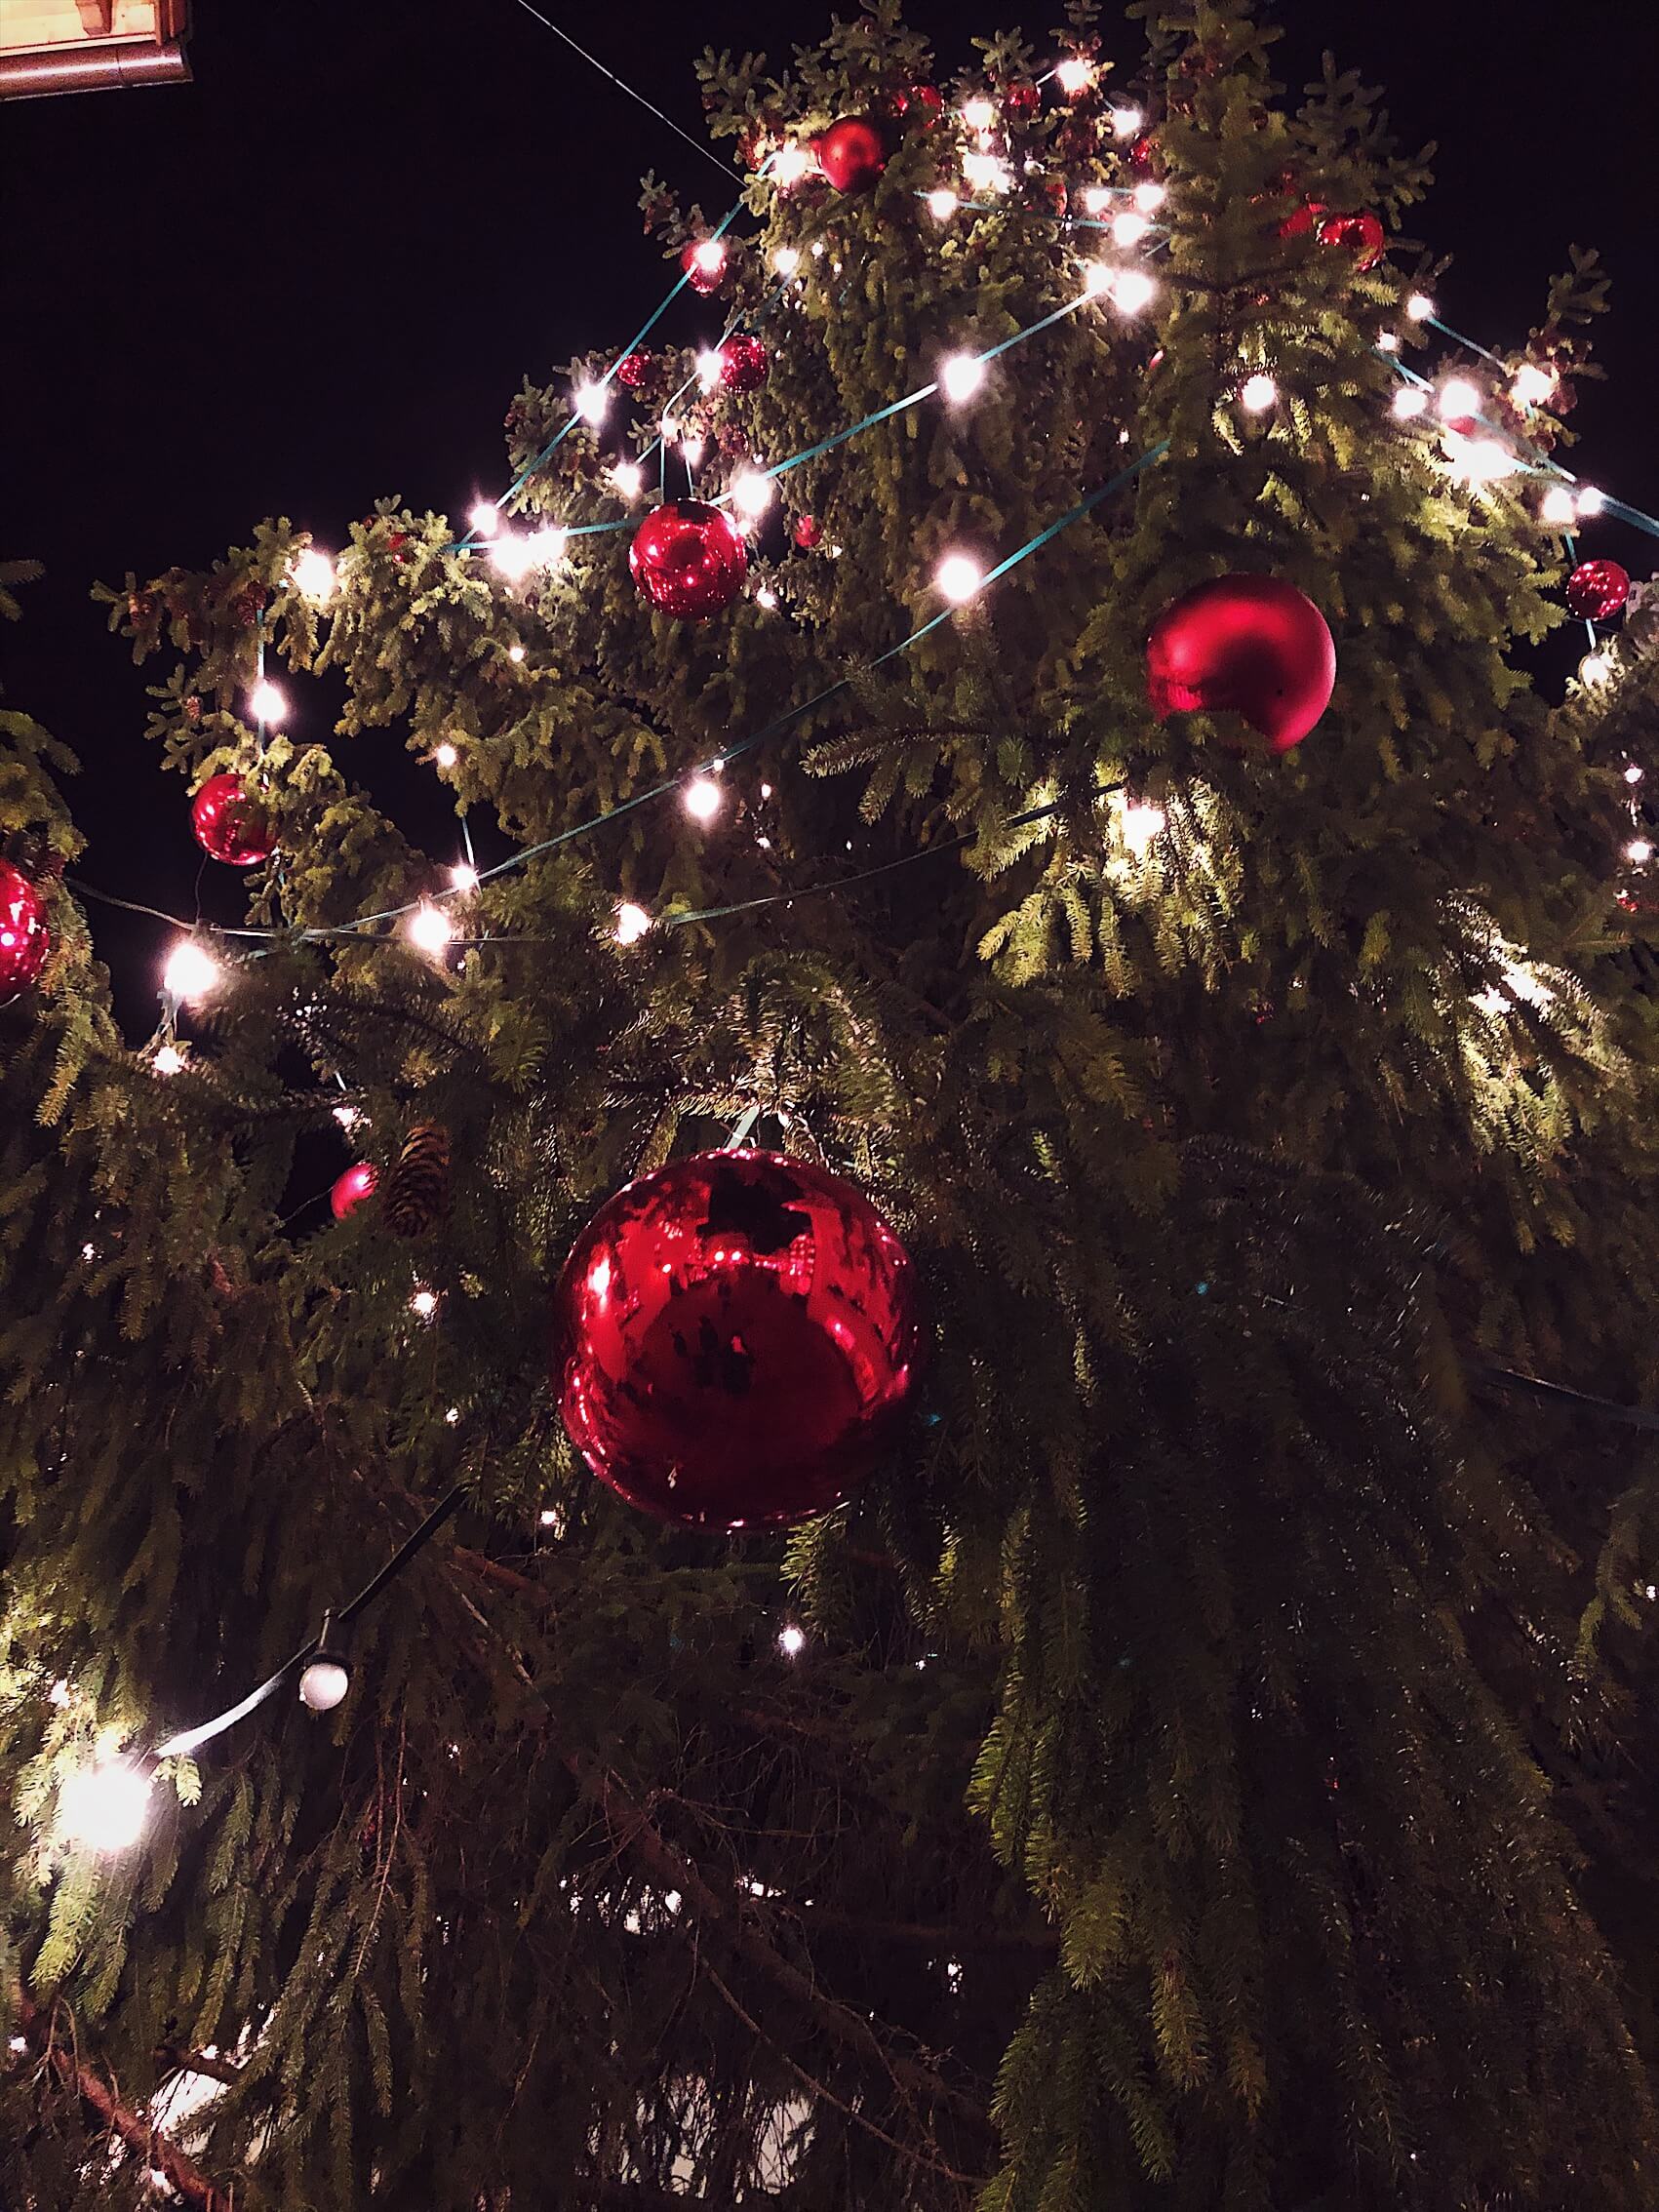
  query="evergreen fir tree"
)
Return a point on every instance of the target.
[{"x": 1214, "y": 1773}]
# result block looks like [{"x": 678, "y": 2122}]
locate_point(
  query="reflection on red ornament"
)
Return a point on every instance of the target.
[
  {"x": 352, "y": 1187},
  {"x": 1597, "y": 590},
  {"x": 230, "y": 824},
  {"x": 1251, "y": 646},
  {"x": 632, "y": 370},
  {"x": 743, "y": 363},
  {"x": 704, "y": 263},
  {"x": 1361, "y": 235},
  {"x": 736, "y": 1341},
  {"x": 925, "y": 105},
  {"x": 809, "y": 532},
  {"x": 24, "y": 938},
  {"x": 689, "y": 559},
  {"x": 851, "y": 154}
]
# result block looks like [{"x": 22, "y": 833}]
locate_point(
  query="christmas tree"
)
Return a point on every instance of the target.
[{"x": 1001, "y": 758}]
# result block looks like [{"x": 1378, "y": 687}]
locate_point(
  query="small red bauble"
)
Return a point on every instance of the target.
[
  {"x": 809, "y": 532},
  {"x": 689, "y": 559},
  {"x": 230, "y": 824},
  {"x": 923, "y": 103},
  {"x": 737, "y": 1339},
  {"x": 1251, "y": 646},
  {"x": 1146, "y": 156},
  {"x": 1360, "y": 235},
  {"x": 851, "y": 154},
  {"x": 1022, "y": 100},
  {"x": 743, "y": 363},
  {"x": 24, "y": 938},
  {"x": 632, "y": 370},
  {"x": 704, "y": 264},
  {"x": 352, "y": 1187},
  {"x": 1597, "y": 590},
  {"x": 1303, "y": 221}
]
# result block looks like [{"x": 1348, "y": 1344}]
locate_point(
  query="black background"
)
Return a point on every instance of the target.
[{"x": 317, "y": 274}]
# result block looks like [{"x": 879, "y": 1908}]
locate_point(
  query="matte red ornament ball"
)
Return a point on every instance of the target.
[
  {"x": 809, "y": 532},
  {"x": 24, "y": 938},
  {"x": 704, "y": 275},
  {"x": 230, "y": 824},
  {"x": 632, "y": 370},
  {"x": 689, "y": 559},
  {"x": 736, "y": 1341},
  {"x": 1361, "y": 235},
  {"x": 1251, "y": 646},
  {"x": 352, "y": 1187},
  {"x": 1597, "y": 590},
  {"x": 743, "y": 363},
  {"x": 852, "y": 153}
]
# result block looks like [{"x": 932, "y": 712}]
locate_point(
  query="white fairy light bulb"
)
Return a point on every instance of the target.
[
  {"x": 708, "y": 365},
  {"x": 1484, "y": 461},
  {"x": 960, "y": 375},
  {"x": 701, "y": 798},
  {"x": 484, "y": 517},
  {"x": 1594, "y": 668},
  {"x": 985, "y": 172},
  {"x": 751, "y": 493},
  {"x": 191, "y": 973},
  {"x": 592, "y": 401},
  {"x": 105, "y": 1807},
  {"x": 463, "y": 875},
  {"x": 444, "y": 754},
  {"x": 1590, "y": 501},
  {"x": 1420, "y": 307},
  {"x": 429, "y": 930},
  {"x": 424, "y": 1303},
  {"x": 1130, "y": 291},
  {"x": 942, "y": 203},
  {"x": 1556, "y": 506},
  {"x": 786, "y": 261},
  {"x": 1640, "y": 851},
  {"x": 1140, "y": 824},
  {"x": 1257, "y": 393},
  {"x": 1533, "y": 385},
  {"x": 323, "y": 1685},
  {"x": 710, "y": 255},
  {"x": 978, "y": 113},
  {"x": 1097, "y": 199},
  {"x": 1388, "y": 341},
  {"x": 1632, "y": 775},
  {"x": 693, "y": 448},
  {"x": 169, "y": 1060},
  {"x": 1074, "y": 75},
  {"x": 512, "y": 555},
  {"x": 312, "y": 574},
  {"x": 515, "y": 652},
  {"x": 1129, "y": 228},
  {"x": 1150, "y": 196},
  {"x": 348, "y": 1117},
  {"x": 959, "y": 576},
  {"x": 267, "y": 703},
  {"x": 1457, "y": 396},
  {"x": 766, "y": 597},
  {"x": 629, "y": 479},
  {"x": 546, "y": 545},
  {"x": 632, "y": 923},
  {"x": 792, "y": 1641},
  {"x": 790, "y": 164},
  {"x": 1127, "y": 121},
  {"x": 1410, "y": 402}
]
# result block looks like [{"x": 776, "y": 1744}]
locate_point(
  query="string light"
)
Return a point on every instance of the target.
[
  {"x": 1594, "y": 668},
  {"x": 547, "y": 545},
  {"x": 632, "y": 923},
  {"x": 1073, "y": 76},
  {"x": 267, "y": 704},
  {"x": 1638, "y": 851},
  {"x": 709, "y": 255},
  {"x": 1408, "y": 402},
  {"x": 1127, "y": 121},
  {"x": 1097, "y": 199},
  {"x": 348, "y": 1117},
  {"x": 1150, "y": 196},
  {"x": 708, "y": 367},
  {"x": 515, "y": 653},
  {"x": 959, "y": 576},
  {"x": 424, "y": 1303},
  {"x": 444, "y": 754},
  {"x": 790, "y": 164},
  {"x": 429, "y": 930},
  {"x": 512, "y": 556},
  {"x": 1097, "y": 278},
  {"x": 960, "y": 375},
  {"x": 693, "y": 448},
  {"x": 593, "y": 401},
  {"x": 629, "y": 479},
  {"x": 1420, "y": 307},
  {"x": 978, "y": 113},
  {"x": 323, "y": 1685},
  {"x": 191, "y": 973},
  {"x": 1533, "y": 385},
  {"x": 1457, "y": 397},
  {"x": 1129, "y": 228},
  {"x": 986, "y": 172},
  {"x": 792, "y": 1641},
  {"x": 1557, "y": 506},
  {"x": 751, "y": 493},
  {"x": 1591, "y": 502},
  {"x": 105, "y": 1807},
  {"x": 312, "y": 574},
  {"x": 942, "y": 203},
  {"x": 786, "y": 261},
  {"x": 766, "y": 597},
  {"x": 1479, "y": 461},
  {"x": 1258, "y": 393},
  {"x": 702, "y": 798},
  {"x": 169, "y": 1059},
  {"x": 1140, "y": 824},
  {"x": 465, "y": 878},
  {"x": 484, "y": 519},
  {"x": 1632, "y": 775},
  {"x": 1131, "y": 290},
  {"x": 1388, "y": 341},
  {"x": 548, "y": 1517}
]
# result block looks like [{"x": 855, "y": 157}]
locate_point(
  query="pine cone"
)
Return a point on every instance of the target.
[{"x": 417, "y": 1191}]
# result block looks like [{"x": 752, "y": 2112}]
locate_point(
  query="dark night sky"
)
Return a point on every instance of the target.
[{"x": 318, "y": 273}]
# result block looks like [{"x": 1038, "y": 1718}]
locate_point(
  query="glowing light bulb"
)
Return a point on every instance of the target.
[
  {"x": 444, "y": 754},
  {"x": 751, "y": 493},
  {"x": 1638, "y": 851},
  {"x": 1258, "y": 393},
  {"x": 1388, "y": 341},
  {"x": 1594, "y": 668},
  {"x": 708, "y": 367},
  {"x": 942, "y": 203},
  {"x": 701, "y": 798},
  {"x": 670, "y": 428},
  {"x": 267, "y": 704},
  {"x": 1129, "y": 228},
  {"x": 786, "y": 261},
  {"x": 632, "y": 923},
  {"x": 1127, "y": 121},
  {"x": 710, "y": 255},
  {"x": 959, "y": 576},
  {"x": 1408, "y": 402},
  {"x": 1097, "y": 199},
  {"x": 1457, "y": 397},
  {"x": 1556, "y": 506},
  {"x": 791, "y": 1641},
  {"x": 429, "y": 930},
  {"x": 548, "y": 1517},
  {"x": 169, "y": 1060},
  {"x": 629, "y": 479},
  {"x": 592, "y": 401},
  {"x": 105, "y": 1807},
  {"x": 484, "y": 517},
  {"x": 766, "y": 597},
  {"x": 323, "y": 1685},
  {"x": 693, "y": 448},
  {"x": 191, "y": 973},
  {"x": 978, "y": 113},
  {"x": 453, "y": 1415},
  {"x": 790, "y": 164},
  {"x": 512, "y": 555},
  {"x": 986, "y": 173},
  {"x": 1097, "y": 278},
  {"x": 1590, "y": 501},
  {"x": 1420, "y": 307},
  {"x": 546, "y": 545},
  {"x": 348, "y": 1117},
  {"x": 312, "y": 574},
  {"x": 464, "y": 877},
  {"x": 1150, "y": 197},
  {"x": 515, "y": 652},
  {"x": 423, "y": 1302},
  {"x": 960, "y": 375},
  {"x": 1533, "y": 385},
  {"x": 1632, "y": 775},
  {"x": 1130, "y": 291},
  {"x": 1074, "y": 75},
  {"x": 1140, "y": 824}
]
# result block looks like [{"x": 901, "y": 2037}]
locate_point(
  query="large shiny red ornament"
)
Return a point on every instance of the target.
[
  {"x": 24, "y": 938},
  {"x": 352, "y": 1187},
  {"x": 1597, "y": 590},
  {"x": 736, "y": 1341},
  {"x": 851, "y": 154},
  {"x": 1251, "y": 646},
  {"x": 230, "y": 824},
  {"x": 689, "y": 559},
  {"x": 743, "y": 363},
  {"x": 1361, "y": 235},
  {"x": 704, "y": 263},
  {"x": 809, "y": 532},
  {"x": 632, "y": 370}
]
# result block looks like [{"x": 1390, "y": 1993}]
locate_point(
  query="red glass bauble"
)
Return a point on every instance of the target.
[
  {"x": 743, "y": 363},
  {"x": 352, "y": 1187},
  {"x": 924, "y": 104},
  {"x": 24, "y": 938},
  {"x": 809, "y": 532},
  {"x": 1597, "y": 590},
  {"x": 1022, "y": 100},
  {"x": 689, "y": 559},
  {"x": 851, "y": 154},
  {"x": 1303, "y": 220},
  {"x": 1146, "y": 156},
  {"x": 632, "y": 370},
  {"x": 704, "y": 263},
  {"x": 230, "y": 824},
  {"x": 1361, "y": 235},
  {"x": 736, "y": 1341},
  {"x": 1251, "y": 646}
]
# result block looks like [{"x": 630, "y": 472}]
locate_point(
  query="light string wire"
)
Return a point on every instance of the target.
[{"x": 696, "y": 145}]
